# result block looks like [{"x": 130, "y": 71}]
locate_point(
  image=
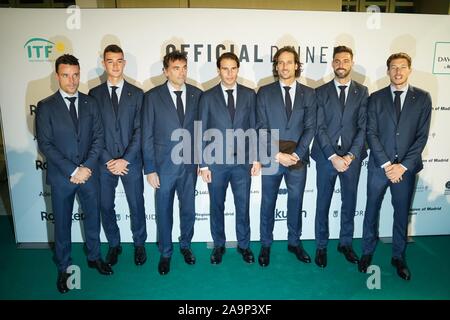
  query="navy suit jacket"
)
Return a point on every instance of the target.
[
  {"x": 214, "y": 114},
  {"x": 408, "y": 138},
  {"x": 122, "y": 133},
  {"x": 58, "y": 140},
  {"x": 332, "y": 123},
  {"x": 159, "y": 121},
  {"x": 301, "y": 127}
]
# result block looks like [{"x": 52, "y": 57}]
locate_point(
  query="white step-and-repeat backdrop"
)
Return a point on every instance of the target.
[{"x": 32, "y": 39}]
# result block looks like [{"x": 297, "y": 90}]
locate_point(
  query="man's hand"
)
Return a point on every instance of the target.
[
  {"x": 81, "y": 176},
  {"x": 153, "y": 180},
  {"x": 348, "y": 159},
  {"x": 394, "y": 172},
  {"x": 340, "y": 163},
  {"x": 286, "y": 159},
  {"x": 206, "y": 175},
  {"x": 117, "y": 167},
  {"x": 256, "y": 168}
]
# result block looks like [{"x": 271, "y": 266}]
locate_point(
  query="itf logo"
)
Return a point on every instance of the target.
[{"x": 40, "y": 49}]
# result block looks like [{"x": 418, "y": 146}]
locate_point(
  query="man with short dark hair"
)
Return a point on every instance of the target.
[
  {"x": 289, "y": 107},
  {"x": 230, "y": 108},
  {"x": 120, "y": 107},
  {"x": 171, "y": 109},
  {"x": 70, "y": 135},
  {"x": 398, "y": 123},
  {"x": 338, "y": 149}
]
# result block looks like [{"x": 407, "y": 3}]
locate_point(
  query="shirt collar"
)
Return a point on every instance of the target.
[
  {"x": 293, "y": 84},
  {"x": 172, "y": 89},
  {"x": 404, "y": 89},
  {"x": 65, "y": 94},
  {"x": 337, "y": 83},
  {"x": 224, "y": 89},
  {"x": 118, "y": 85}
]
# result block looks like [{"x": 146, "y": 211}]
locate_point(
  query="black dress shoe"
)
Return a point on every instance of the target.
[
  {"x": 364, "y": 262},
  {"x": 349, "y": 254},
  {"x": 113, "y": 254},
  {"x": 164, "y": 265},
  {"x": 61, "y": 283},
  {"x": 402, "y": 268},
  {"x": 101, "y": 266},
  {"x": 216, "y": 255},
  {"x": 247, "y": 254},
  {"x": 264, "y": 256},
  {"x": 321, "y": 257},
  {"x": 189, "y": 257},
  {"x": 300, "y": 253},
  {"x": 140, "y": 256}
]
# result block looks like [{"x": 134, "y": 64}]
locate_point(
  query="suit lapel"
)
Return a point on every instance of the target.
[
  {"x": 390, "y": 104},
  {"x": 279, "y": 100},
  {"x": 240, "y": 107},
  {"x": 222, "y": 104},
  {"x": 333, "y": 96},
  {"x": 124, "y": 98},
  {"x": 351, "y": 96},
  {"x": 408, "y": 104},
  {"x": 64, "y": 111},
  {"x": 107, "y": 104},
  {"x": 168, "y": 102},
  {"x": 189, "y": 113},
  {"x": 298, "y": 100}
]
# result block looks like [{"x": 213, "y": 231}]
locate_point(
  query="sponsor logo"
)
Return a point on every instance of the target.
[
  {"x": 281, "y": 215},
  {"x": 447, "y": 188},
  {"x": 40, "y": 165},
  {"x": 49, "y": 216},
  {"x": 201, "y": 216},
  {"x": 441, "y": 60},
  {"x": 200, "y": 192},
  {"x": 428, "y": 209},
  {"x": 41, "y": 49}
]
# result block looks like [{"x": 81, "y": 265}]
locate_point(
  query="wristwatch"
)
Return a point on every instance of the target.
[{"x": 352, "y": 156}]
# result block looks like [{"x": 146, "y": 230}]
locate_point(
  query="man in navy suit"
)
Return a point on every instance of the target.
[
  {"x": 398, "y": 122},
  {"x": 120, "y": 107},
  {"x": 289, "y": 107},
  {"x": 168, "y": 117},
  {"x": 70, "y": 135},
  {"x": 228, "y": 107},
  {"x": 338, "y": 149}
]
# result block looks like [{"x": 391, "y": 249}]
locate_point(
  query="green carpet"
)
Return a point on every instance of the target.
[{"x": 31, "y": 274}]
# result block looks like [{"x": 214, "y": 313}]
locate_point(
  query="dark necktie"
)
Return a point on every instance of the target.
[
  {"x": 230, "y": 103},
  {"x": 397, "y": 104},
  {"x": 180, "y": 108},
  {"x": 342, "y": 97},
  {"x": 287, "y": 101},
  {"x": 115, "y": 100},
  {"x": 73, "y": 111}
]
